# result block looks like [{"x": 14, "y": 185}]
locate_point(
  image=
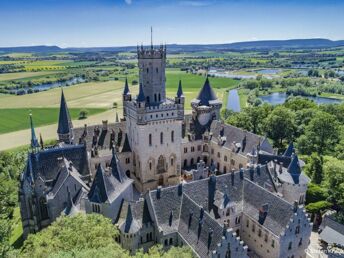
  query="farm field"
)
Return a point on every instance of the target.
[
  {"x": 24, "y": 75},
  {"x": 18, "y": 119}
]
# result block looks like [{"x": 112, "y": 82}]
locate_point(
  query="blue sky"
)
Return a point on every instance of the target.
[{"x": 85, "y": 23}]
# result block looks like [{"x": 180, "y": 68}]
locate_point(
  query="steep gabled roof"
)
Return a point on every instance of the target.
[
  {"x": 98, "y": 192},
  {"x": 126, "y": 146},
  {"x": 114, "y": 167},
  {"x": 64, "y": 118},
  {"x": 206, "y": 94}
]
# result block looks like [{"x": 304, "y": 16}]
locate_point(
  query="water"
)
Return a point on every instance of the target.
[
  {"x": 268, "y": 71},
  {"x": 230, "y": 75},
  {"x": 280, "y": 97},
  {"x": 47, "y": 86},
  {"x": 233, "y": 102}
]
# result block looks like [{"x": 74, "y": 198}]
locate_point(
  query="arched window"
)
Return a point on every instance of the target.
[
  {"x": 185, "y": 162},
  {"x": 154, "y": 97},
  {"x": 157, "y": 70},
  {"x": 161, "y": 138},
  {"x": 161, "y": 164},
  {"x": 43, "y": 208},
  {"x": 159, "y": 97},
  {"x": 172, "y": 136},
  {"x": 224, "y": 169},
  {"x": 150, "y": 139},
  {"x": 171, "y": 241},
  {"x": 225, "y": 158},
  {"x": 147, "y": 70},
  {"x": 172, "y": 161},
  {"x": 150, "y": 165},
  {"x": 166, "y": 242},
  {"x": 191, "y": 161},
  {"x": 198, "y": 159}
]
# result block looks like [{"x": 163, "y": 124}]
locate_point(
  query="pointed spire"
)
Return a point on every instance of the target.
[
  {"x": 98, "y": 192},
  {"x": 34, "y": 142},
  {"x": 117, "y": 120},
  {"x": 141, "y": 96},
  {"x": 65, "y": 124},
  {"x": 206, "y": 94},
  {"x": 180, "y": 90},
  {"x": 294, "y": 166},
  {"x": 290, "y": 150},
  {"x": 126, "y": 146},
  {"x": 126, "y": 87},
  {"x": 128, "y": 220}
]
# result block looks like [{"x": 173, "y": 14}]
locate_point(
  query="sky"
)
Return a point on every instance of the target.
[{"x": 92, "y": 23}]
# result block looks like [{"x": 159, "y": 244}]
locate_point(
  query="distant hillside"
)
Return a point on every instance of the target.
[{"x": 237, "y": 46}]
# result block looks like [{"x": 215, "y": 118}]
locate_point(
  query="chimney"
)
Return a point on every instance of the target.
[
  {"x": 158, "y": 192},
  {"x": 258, "y": 170},
  {"x": 296, "y": 206},
  {"x": 105, "y": 125},
  {"x": 180, "y": 189},
  {"x": 263, "y": 212}
]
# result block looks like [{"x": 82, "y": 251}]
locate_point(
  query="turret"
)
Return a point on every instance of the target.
[
  {"x": 126, "y": 91},
  {"x": 65, "y": 126},
  {"x": 179, "y": 99}
]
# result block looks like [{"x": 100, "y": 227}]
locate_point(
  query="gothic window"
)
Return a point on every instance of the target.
[
  {"x": 199, "y": 147},
  {"x": 95, "y": 208},
  {"x": 273, "y": 243},
  {"x": 147, "y": 70},
  {"x": 166, "y": 242},
  {"x": 300, "y": 243},
  {"x": 147, "y": 99},
  {"x": 159, "y": 97},
  {"x": 218, "y": 155},
  {"x": 185, "y": 162},
  {"x": 225, "y": 169},
  {"x": 247, "y": 223},
  {"x": 259, "y": 232},
  {"x": 266, "y": 238},
  {"x": 172, "y": 136},
  {"x": 185, "y": 150},
  {"x": 157, "y": 70},
  {"x": 150, "y": 139},
  {"x": 171, "y": 161},
  {"x": 290, "y": 245},
  {"x": 171, "y": 241},
  {"x": 205, "y": 148},
  {"x": 228, "y": 212},
  {"x": 225, "y": 158},
  {"x": 161, "y": 138},
  {"x": 253, "y": 227},
  {"x": 150, "y": 165},
  {"x": 191, "y": 161},
  {"x": 232, "y": 162},
  {"x": 154, "y": 97},
  {"x": 198, "y": 159},
  {"x": 212, "y": 151},
  {"x": 161, "y": 168},
  {"x": 192, "y": 149}
]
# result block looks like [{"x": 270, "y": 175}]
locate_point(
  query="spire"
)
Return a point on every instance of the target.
[
  {"x": 141, "y": 96},
  {"x": 98, "y": 192},
  {"x": 290, "y": 150},
  {"x": 65, "y": 124},
  {"x": 126, "y": 146},
  {"x": 128, "y": 220},
  {"x": 151, "y": 37},
  {"x": 126, "y": 87},
  {"x": 34, "y": 142},
  {"x": 180, "y": 90},
  {"x": 41, "y": 141},
  {"x": 206, "y": 94}
]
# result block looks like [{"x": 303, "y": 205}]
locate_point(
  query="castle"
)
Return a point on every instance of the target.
[{"x": 167, "y": 178}]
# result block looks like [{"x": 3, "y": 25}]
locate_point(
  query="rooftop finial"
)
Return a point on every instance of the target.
[{"x": 151, "y": 37}]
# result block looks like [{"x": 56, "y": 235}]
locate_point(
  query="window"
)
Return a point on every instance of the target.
[
  {"x": 212, "y": 151},
  {"x": 185, "y": 162},
  {"x": 272, "y": 243},
  {"x": 166, "y": 242},
  {"x": 247, "y": 223},
  {"x": 161, "y": 138},
  {"x": 147, "y": 70},
  {"x": 95, "y": 208},
  {"x": 127, "y": 160},
  {"x": 218, "y": 155},
  {"x": 225, "y": 158},
  {"x": 300, "y": 243},
  {"x": 259, "y": 232},
  {"x": 297, "y": 230},
  {"x": 172, "y": 161},
  {"x": 161, "y": 164},
  {"x": 253, "y": 227},
  {"x": 171, "y": 241},
  {"x": 172, "y": 136},
  {"x": 225, "y": 169},
  {"x": 150, "y": 165},
  {"x": 157, "y": 70},
  {"x": 290, "y": 245},
  {"x": 266, "y": 237},
  {"x": 155, "y": 101},
  {"x": 150, "y": 140},
  {"x": 191, "y": 161},
  {"x": 185, "y": 150},
  {"x": 199, "y": 147},
  {"x": 192, "y": 149},
  {"x": 232, "y": 162}
]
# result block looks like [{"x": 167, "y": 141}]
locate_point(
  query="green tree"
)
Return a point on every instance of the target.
[
  {"x": 316, "y": 193},
  {"x": 280, "y": 126},
  {"x": 321, "y": 134},
  {"x": 315, "y": 168},
  {"x": 241, "y": 119}
]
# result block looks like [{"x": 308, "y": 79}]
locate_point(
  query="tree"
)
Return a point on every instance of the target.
[
  {"x": 316, "y": 193},
  {"x": 83, "y": 114},
  {"x": 72, "y": 233},
  {"x": 315, "y": 168},
  {"x": 241, "y": 119},
  {"x": 280, "y": 126},
  {"x": 321, "y": 134}
]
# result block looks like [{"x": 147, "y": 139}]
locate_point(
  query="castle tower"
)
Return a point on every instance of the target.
[
  {"x": 151, "y": 63},
  {"x": 154, "y": 124},
  {"x": 206, "y": 107},
  {"x": 65, "y": 126}
]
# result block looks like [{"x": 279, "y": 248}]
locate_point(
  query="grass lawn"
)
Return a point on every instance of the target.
[
  {"x": 18, "y": 119},
  {"x": 16, "y": 239}
]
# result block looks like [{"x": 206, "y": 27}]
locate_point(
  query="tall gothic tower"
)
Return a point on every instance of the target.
[
  {"x": 152, "y": 64},
  {"x": 154, "y": 123}
]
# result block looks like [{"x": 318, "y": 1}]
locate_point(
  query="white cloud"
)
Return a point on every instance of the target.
[
  {"x": 196, "y": 3},
  {"x": 128, "y": 1}
]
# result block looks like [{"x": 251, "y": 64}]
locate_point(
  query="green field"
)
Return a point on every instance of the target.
[{"x": 18, "y": 118}]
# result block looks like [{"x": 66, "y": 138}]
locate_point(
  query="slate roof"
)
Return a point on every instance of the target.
[
  {"x": 237, "y": 135},
  {"x": 180, "y": 89},
  {"x": 45, "y": 163},
  {"x": 129, "y": 225},
  {"x": 279, "y": 212},
  {"x": 65, "y": 122},
  {"x": 290, "y": 150},
  {"x": 293, "y": 173},
  {"x": 106, "y": 186},
  {"x": 141, "y": 96},
  {"x": 126, "y": 87},
  {"x": 206, "y": 94},
  {"x": 201, "y": 232},
  {"x": 125, "y": 145}
]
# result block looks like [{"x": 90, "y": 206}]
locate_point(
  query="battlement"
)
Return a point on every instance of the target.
[{"x": 151, "y": 52}]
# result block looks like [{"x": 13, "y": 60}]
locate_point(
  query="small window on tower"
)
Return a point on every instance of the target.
[
  {"x": 147, "y": 70},
  {"x": 157, "y": 70}
]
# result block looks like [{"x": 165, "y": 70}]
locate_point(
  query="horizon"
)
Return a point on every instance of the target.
[{"x": 107, "y": 23}]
